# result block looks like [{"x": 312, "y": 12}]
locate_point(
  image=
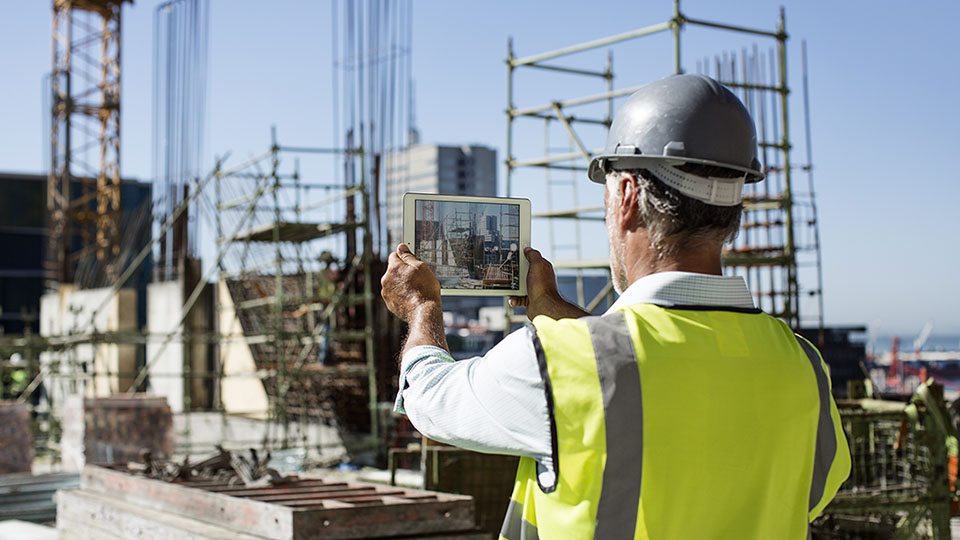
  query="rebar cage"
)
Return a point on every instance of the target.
[{"x": 900, "y": 483}]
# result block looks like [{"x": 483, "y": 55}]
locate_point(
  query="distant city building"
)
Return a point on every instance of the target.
[
  {"x": 434, "y": 168},
  {"x": 447, "y": 170},
  {"x": 23, "y": 239}
]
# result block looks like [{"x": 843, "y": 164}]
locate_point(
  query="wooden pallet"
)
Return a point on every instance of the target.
[{"x": 300, "y": 510}]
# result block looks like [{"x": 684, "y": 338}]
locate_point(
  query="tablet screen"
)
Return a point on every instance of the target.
[{"x": 469, "y": 245}]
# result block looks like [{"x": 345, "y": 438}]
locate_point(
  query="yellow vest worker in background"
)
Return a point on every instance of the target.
[{"x": 683, "y": 412}]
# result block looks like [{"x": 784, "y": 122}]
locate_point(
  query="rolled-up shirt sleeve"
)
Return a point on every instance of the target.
[{"x": 493, "y": 403}]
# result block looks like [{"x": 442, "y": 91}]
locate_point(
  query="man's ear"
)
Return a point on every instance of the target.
[{"x": 628, "y": 211}]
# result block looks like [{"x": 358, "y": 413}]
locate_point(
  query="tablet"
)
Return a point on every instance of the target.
[{"x": 474, "y": 245}]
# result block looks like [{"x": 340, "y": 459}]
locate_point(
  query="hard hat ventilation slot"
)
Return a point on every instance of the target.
[{"x": 711, "y": 190}]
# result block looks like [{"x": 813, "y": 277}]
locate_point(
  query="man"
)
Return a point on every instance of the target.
[
  {"x": 683, "y": 412},
  {"x": 14, "y": 380}
]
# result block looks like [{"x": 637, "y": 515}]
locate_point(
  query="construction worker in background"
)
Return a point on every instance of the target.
[
  {"x": 14, "y": 379},
  {"x": 684, "y": 411}
]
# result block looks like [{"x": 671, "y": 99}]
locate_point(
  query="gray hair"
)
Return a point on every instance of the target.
[{"x": 675, "y": 222}]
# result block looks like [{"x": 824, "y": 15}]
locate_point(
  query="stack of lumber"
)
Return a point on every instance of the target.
[
  {"x": 16, "y": 443},
  {"x": 113, "y": 504}
]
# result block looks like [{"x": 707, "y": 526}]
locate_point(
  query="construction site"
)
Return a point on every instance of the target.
[
  {"x": 468, "y": 245},
  {"x": 206, "y": 353}
]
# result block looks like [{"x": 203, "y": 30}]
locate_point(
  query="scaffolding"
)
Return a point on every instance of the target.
[
  {"x": 308, "y": 316},
  {"x": 284, "y": 316},
  {"x": 779, "y": 229},
  {"x": 296, "y": 286}
]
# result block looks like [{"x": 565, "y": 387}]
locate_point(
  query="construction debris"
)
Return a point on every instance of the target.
[{"x": 230, "y": 468}]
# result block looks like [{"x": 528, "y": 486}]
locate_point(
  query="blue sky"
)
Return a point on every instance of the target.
[{"x": 883, "y": 86}]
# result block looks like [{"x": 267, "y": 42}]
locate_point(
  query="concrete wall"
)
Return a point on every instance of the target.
[
  {"x": 177, "y": 362},
  {"x": 165, "y": 344},
  {"x": 89, "y": 368},
  {"x": 241, "y": 391}
]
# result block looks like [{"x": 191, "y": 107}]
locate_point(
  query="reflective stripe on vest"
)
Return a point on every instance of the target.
[
  {"x": 826, "y": 449},
  {"x": 515, "y": 527},
  {"x": 622, "y": 405},
  {"x": 619, "y": 378}
]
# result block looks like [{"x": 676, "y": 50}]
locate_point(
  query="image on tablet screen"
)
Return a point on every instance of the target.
[{"x": 469, "y": 245}]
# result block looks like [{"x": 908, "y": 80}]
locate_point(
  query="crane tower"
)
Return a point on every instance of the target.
[{"x": 83, "y": 186}]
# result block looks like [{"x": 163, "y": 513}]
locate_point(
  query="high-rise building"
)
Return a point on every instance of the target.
[{"x": 434, "y": 168}]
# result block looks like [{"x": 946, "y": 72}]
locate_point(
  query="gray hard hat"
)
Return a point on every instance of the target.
[{"x": 681, "y": 119}]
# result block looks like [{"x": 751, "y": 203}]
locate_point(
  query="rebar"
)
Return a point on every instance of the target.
[{"x": 180, "y": 36}]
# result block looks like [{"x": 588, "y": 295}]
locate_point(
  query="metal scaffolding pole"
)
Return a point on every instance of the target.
[{"x": 766, "y": 251}]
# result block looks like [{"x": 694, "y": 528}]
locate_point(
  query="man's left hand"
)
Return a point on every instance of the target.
[{"x": 408, "y": 285}]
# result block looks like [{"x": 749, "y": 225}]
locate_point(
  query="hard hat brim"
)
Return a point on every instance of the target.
[{"x": 597, "y": 173}]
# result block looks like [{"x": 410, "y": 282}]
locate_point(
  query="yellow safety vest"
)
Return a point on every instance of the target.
[{"x": 680, "y": 423}]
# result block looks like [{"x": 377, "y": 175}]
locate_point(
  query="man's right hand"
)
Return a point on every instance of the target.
[{"x": 543, "y": 296}]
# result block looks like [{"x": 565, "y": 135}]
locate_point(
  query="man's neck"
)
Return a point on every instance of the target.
[{"x": 641, "y": 260}]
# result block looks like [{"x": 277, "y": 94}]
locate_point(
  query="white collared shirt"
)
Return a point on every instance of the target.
[{"x": 496, "y": 403}]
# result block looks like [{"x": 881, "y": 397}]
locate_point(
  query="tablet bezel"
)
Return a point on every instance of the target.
[{"x": 409, "y": 202}]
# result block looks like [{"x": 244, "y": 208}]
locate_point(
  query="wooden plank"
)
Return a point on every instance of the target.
[
  {"x": 292, "y": 497},
  {"x": 88, "y": 512},
  {"x": 224, "y": 488},
  {"x": 287, "y": 490},
  {"x": 385, "y": 521},
  {"x": 455, "y": 536},
  {"x": 241, "y": 515}
]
